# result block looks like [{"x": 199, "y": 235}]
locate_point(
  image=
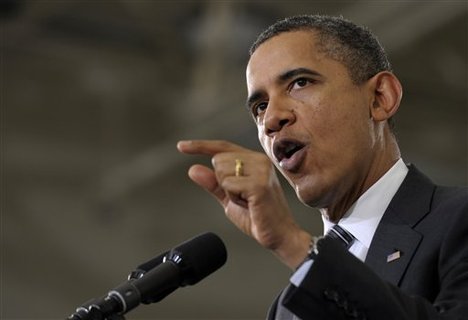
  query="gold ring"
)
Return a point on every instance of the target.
[{"x": 239, "y": 168}]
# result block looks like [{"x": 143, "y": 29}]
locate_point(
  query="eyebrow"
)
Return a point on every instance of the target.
[
  {"x": 282, "y": 78},
  {"x": 295, "y": 72},
  {"x": 254, "y": 97}
]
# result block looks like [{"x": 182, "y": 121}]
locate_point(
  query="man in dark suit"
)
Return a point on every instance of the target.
[{"x": 322, "y": 94}]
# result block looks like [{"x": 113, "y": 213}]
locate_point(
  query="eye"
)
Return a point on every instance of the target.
[
  {"x": 300, "y": 83},
  {"x": 259, "y": 108}
]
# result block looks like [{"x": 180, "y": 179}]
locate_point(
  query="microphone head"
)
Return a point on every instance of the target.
[{"x": 199, "y": 257}]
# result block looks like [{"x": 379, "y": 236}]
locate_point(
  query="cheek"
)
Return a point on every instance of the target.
[
  {"x": 320, "y": 118},
  {"x": 265, "y": 142},
  {"x": 261, "y": 136},
  {"x": 337, "y": 123}
]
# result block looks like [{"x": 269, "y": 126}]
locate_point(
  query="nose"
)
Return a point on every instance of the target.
[{"x": 278, "y": 115}]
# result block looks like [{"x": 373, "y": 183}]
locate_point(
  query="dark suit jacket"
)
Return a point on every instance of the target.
[{"x": 428, "y": 224}]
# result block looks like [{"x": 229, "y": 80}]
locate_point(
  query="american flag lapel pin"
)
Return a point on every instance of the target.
[{"x": 394, "y": 256}]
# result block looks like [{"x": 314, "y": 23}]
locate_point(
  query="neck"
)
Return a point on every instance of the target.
[{"x": 388, "y": 154}]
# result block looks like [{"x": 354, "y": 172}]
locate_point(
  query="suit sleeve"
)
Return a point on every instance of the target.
[{"x": 339, "y": 286}]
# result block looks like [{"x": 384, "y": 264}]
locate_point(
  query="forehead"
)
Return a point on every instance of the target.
[
  {"x": 287, "y": 51},
  {"x": 284, "y": 40}
]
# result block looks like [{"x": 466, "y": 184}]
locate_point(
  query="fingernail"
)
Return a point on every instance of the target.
[{"x": 183, "y": 143}]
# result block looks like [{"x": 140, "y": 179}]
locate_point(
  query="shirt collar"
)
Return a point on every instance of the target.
[{"x": 362, "y": 219}]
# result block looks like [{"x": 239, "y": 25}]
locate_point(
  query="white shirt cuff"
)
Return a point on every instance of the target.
[{"x": 298, "y": 276}]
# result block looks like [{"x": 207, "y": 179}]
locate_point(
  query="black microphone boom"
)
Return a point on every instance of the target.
[{"x": 153, "y": 280}]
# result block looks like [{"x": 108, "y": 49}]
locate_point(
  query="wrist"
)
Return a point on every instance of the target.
[{"x": 295, "y": 248}]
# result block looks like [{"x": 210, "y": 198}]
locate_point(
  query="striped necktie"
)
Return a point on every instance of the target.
[{"x": 340, "y": 234}]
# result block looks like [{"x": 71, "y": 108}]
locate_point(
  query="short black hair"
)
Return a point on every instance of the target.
[{"x": 342, "y": 40}]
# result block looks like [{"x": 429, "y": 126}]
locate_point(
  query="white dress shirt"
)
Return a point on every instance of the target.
[{"x": 362, "y": 219}]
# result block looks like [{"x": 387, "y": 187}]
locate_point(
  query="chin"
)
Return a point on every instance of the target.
[
  {"x": 310, "y": 200},
  {"x": 315, "y": 193}
]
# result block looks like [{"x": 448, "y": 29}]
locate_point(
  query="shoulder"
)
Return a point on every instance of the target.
[
  {"x": 419, "y": 202},
  {"x": 454, "y": 197},
  {"x": 440, "y": 196}
]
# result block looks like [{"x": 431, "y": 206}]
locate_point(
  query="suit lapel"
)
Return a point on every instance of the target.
[
  {"x": 395, "y": 241},
  {"x": 392, "y": 239}
]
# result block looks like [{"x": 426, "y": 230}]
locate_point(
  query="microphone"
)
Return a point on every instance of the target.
[
  {"x": 197, "y": 256},
  {"x": 150, "y": 282}
]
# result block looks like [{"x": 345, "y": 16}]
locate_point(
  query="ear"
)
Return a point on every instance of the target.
[{"x": 387, "y": 95}]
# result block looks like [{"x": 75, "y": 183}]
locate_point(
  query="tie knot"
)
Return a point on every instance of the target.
[{"x": 340, "y": 234}]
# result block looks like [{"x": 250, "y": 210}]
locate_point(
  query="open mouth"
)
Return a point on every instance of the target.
[{"x": 285, "y": 149}]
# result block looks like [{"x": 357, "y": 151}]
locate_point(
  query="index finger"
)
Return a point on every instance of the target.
[{"x": 208, "y": 147}]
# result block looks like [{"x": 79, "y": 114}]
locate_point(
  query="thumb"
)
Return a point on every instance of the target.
[{"x": 206, "y": 178}]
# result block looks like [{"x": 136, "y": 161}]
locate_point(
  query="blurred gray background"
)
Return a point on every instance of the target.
[{"x": 95, "y": 96}]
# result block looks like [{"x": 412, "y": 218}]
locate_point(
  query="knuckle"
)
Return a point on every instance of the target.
[{"x": 217, "y": 159}]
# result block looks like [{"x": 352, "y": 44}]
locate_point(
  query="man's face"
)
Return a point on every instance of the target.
[{"x": 313, "y": 122}]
